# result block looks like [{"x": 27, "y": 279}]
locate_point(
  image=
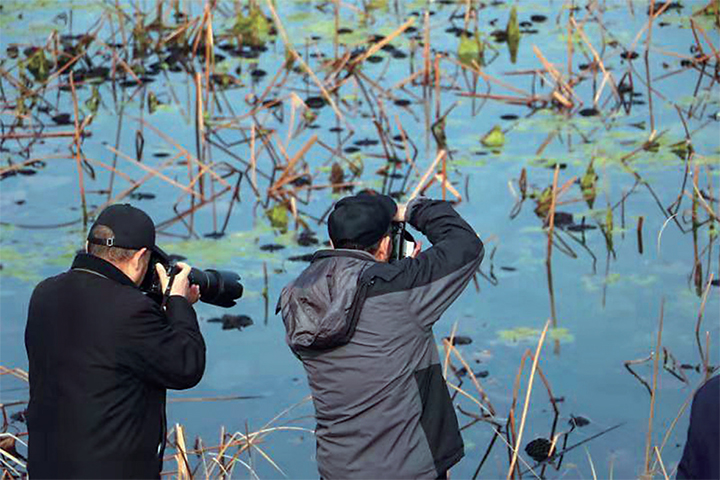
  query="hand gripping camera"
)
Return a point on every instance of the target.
[
  {"x": 217, "y": 287},
  {"x": 403, "y": 244}
]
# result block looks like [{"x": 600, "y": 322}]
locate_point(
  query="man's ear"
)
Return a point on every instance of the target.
[
  {"x": 139, "y": 256},
  {"x": 86, "y": 246},
  {"x": 384, "y": 249}
]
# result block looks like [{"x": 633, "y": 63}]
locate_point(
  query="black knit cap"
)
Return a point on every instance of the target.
[
  {"x": 362, "y": 219},
  {"x": 133, "y": 229}
]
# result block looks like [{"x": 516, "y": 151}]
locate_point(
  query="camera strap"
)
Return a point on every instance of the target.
[{"x": 166, "y": 293}]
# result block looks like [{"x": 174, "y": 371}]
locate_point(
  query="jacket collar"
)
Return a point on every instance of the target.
[
  {"x": 85, "y": 261},
  {"x": 343, "y": 252}
]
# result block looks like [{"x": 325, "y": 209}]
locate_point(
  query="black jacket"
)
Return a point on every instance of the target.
[
  {"x": 701, "y": 457},
  {"x": 102, "y": 355},
  {"x": 364, "y": 332}
]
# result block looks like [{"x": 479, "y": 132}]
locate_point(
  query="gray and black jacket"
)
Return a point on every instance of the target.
[{"x": 363, "y": 330}]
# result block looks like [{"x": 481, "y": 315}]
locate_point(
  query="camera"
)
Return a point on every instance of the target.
[
  {"x": 403, "y": 244},
  {"x": 217, "y": 287}
]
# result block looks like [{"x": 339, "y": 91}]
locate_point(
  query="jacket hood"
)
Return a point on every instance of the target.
[{"x": 320, "y": 308}]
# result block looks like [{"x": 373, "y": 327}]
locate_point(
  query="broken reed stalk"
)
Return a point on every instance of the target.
[
  {"x": 551, "y": 213},
  {"x": 700, "y": 317},
  {"x": 298, "y": 58},
  {"x": 78, "y": 154},
  {"x": 183, "y": 466},
  {"x": 653, "y": 394},
  {"x": 426, "y": 49},
  {"x": 662, "y": 465},
  {"x": 377, "y": 46},
  {"x": 536, "y": 358},
  {"x": 418, "y": 188},
  {"x": 156, "y": 172},
  {"x": 286, "y": 176}
]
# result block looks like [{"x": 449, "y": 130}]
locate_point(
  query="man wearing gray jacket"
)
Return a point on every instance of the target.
[{"x": 362, "y": 327}]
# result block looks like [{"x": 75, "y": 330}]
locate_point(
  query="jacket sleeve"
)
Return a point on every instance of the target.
[
  {"x": 439, "y": 274},
  {"x": 166, "y": 347}
]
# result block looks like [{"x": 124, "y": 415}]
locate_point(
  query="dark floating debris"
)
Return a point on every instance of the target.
[
  {"x": 509, "y": 269},
  {"x": 460, "y": 340},
  {"x": 509, "y": 116},
  {"x": 589, "y": 112},
  {"x": 307, "y": 238},
  {"x": 344, "y": 31},
  {"x": 142, "y": 196},
  {"x": 538, "y": 18},
  {"x": 351, "y": 150},
  {"x": 161, "y": 154},
  {"x": 563, "y": 219},
  {"x": 561, "y": 165},
  {"x": 258, "y": 73},
  {"x": 271, "y": 247},
  {"x": 307, "y": 257},
  {"x": 580, "y": 227},
  {"x": 375, "y": 58},
  {"x": 398, "y": 54},
  {"x": 715, "y": 282},
  {"x": 214, "y": 235},
  {"x": 538, "y": 449},
  {"x": 660, "y": 5},
  {"x": 578, "y": 421},
  {"x": 19, "y": 416},
  {"x": 230, "y": 322},
  {"x": 336, "y": 129},
  {"x": 366, "y": 142},
  {"x": 302, "y": 180},
  {"x": 526, "y": 24},
  {"x": 402, "y": 102},
  {"x": 62, "y": 119},
  {"x": 481, "y": 373},
  {"x": 315, "y": 102},
  {"x": 629, "y": 55}
]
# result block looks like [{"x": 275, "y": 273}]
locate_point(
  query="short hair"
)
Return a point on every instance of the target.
[
  {"x": 350, "y": 245},
  {"x": 111, "y": 254}
]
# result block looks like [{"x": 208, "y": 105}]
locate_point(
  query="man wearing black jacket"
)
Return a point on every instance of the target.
[
  {"x": 102, "y": 355},
  {"x": 363, "y": 329}
]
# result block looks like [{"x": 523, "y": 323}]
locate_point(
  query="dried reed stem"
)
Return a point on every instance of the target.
[
  {"x": 653, "y": 394},
  {"x": 536, "y": 358},
  {"x": 428, "y": 172}
]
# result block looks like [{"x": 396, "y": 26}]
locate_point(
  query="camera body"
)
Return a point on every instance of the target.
[
  {"x": 403, "y": 243},
  {"x": 217, "y": 287}
]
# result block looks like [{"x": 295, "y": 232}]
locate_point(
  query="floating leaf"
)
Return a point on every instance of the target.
[
  {"x": 38, "y": 64},
  {"x": 253, "y": 28},
  {"x": 682, "y": 149},
  {"x": 588, "y": 185},
  {"x": 543, "y": 203},
  {"x": 526, "y": 334},
  {"x": 337, "y": 176},
  {"x": 153, "y": 102},
  {"x": 93, "y": 102},
  {"x": 495, "y": 138},
  {"x": 471, "y": 48},
  {"x": 278, "y": 216},
  {"x": 512, "y": 32}
]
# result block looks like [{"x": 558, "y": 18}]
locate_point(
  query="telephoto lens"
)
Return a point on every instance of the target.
[{"x": 217, "y": 287}]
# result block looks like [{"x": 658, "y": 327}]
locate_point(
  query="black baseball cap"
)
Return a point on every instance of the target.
[
  {"x": 362, "y": 219},
  {"x": 132, "y": 228}
]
